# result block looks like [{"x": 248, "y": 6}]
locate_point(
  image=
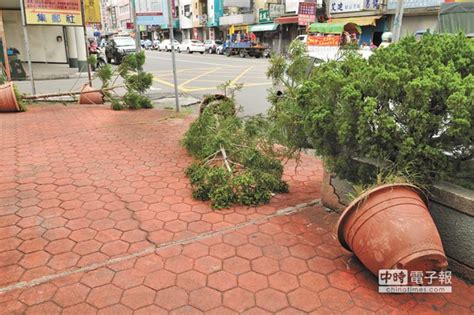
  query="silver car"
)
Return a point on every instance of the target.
[{"x": 211, "y": 45}]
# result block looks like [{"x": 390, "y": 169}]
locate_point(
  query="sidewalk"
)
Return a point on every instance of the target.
[
  {"x": 97, "y": 217},
  {"x": 52, "y": 71}
]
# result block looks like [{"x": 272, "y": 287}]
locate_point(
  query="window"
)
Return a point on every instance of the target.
[
  {"x": 187, "y": 10},
  {"x": 124, "y": 9}
]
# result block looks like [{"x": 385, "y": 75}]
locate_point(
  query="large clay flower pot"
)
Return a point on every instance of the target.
[
  {"x": 90, "y": 95},
  {"x": 8, "y": 101},
  {"x": 390, "y": 227}
]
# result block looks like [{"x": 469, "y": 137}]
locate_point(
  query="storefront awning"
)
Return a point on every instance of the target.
[
  {"x": 287, "y": 20},
  {"x": 362, "y": 21},
  {"x": 334, "y": 28},
  {"x": 263, "y": 27}
]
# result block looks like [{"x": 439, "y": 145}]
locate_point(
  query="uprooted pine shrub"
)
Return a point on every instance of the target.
[
  {"x": 410, "y": 106},
  {"x": 232, "y": 167}
]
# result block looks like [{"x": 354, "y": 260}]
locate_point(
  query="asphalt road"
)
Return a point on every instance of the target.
[{"x": 198, "y": 75}]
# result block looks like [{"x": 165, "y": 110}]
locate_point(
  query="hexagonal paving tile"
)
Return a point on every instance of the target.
[{"x": 99, "y": 192}]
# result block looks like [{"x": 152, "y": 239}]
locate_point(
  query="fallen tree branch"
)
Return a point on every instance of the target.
[
  {"x": 224, "y": 155},
  {"x": 40, "y": 96}
]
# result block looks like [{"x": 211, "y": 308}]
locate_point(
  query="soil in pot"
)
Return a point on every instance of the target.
[
  {"x": 390, "y": 227},
  {"x": 8, "y": 102},
  {"x": 89, "y": 95}
]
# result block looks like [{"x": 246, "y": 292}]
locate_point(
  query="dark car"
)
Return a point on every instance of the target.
[{"x": 119, "y": 47}]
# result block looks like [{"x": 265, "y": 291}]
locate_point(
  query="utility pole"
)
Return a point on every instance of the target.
[
  {"x": 27, "y": 47},
  {"x": 173, "y": 57},
  {"x": 5, "y": 48},
  {"x": 135, "y": 25},
  {"x": 83, "y": 13},
  {"x": 397, "y": 24}
]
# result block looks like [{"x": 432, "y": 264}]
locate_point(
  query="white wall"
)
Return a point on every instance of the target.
[
  {"x": 291, "y": 5},
  {"x": 43, "y": 44},
  {"x": 185, "y": 22}
]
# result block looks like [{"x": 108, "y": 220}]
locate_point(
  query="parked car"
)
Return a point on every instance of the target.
[
  {"x": 211, "y": 45},
  {"x": 220, "y": 49},
  {"x": 118, "y": 47},
  {"x": 191, "y": 45},
  {"x": 147, "y": 44},
  {"x": 156, "y": 45},
  {"x": 166, "y": 45}
]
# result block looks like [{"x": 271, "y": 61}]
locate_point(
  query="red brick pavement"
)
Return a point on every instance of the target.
[{"x": 97, "y": 216}]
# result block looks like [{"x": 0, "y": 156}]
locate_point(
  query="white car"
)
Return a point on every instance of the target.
[
  {"x": 192, "y": 45},
  {"x": 220, "y": 49},
  {"x": 165, "y": 45}
]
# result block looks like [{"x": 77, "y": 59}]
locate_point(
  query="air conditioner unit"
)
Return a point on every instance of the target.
[{"x": 187, "y": 14}]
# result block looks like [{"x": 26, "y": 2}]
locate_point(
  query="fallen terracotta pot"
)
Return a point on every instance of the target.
[
  {"x": 89, "y": 95},
  {"x": 390, "y": 227},
  {"x": 8, "y": 101}
]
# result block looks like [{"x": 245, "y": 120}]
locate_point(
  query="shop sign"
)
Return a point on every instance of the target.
[
  {"x": 203, "y": 19},
  {"x": 92, "y": 11},
  {"x": 340, "y": 6},
  {"x": 411, "y": 4},
  {"x": 372, "y": 4},
  {"x": 291, "y": 5},
  {"x": 330, "y": 40},
  {"x": 306, "y": 13},
  {"x": 41, "y": 12},
  {"x": 264, "y": 16},
  {"x": 276, "y": 10}
]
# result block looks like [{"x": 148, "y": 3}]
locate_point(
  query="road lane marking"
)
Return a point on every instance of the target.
[
  {"x": 234, "y": 81},
  {"x": 164, "y": 82},
  {"x": 196, "y": 62},
  {"x": 207, "y": 80},
  {"x": 213, "y": 57},
  {"x": 257, "y": 84},
  {"x": 183, "y": 85},
  {"x": 197, "y": 88}
]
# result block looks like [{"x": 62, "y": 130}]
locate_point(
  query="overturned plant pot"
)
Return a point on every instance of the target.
[
  {"x": 8, "y": 101},
  {"x": 213, "y": 100},
  {"x": 89, "y": 95},
  {"x": 390, "y": 227}
]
